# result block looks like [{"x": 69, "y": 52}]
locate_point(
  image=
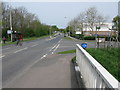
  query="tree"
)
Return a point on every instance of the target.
[
  {"x": 22, "y": 21},
  {"x": 73, "y": 24},
  {"x": 91, "y": 15},
  {"x": 87, "y": 19},
  {"x": 116, "y": 21}
]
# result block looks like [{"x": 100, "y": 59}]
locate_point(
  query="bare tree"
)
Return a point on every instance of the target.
[
  {"x": 91, "y": 17},
  {"x": 73, "y": 24},
  {"x": 81, "y": 21}
]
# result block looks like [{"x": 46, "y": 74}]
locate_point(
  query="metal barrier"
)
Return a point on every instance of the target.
[{"x": 94, "y": 74}]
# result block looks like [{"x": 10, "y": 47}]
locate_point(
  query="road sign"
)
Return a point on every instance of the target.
[
  {"x": 9, "y": 31},
  {"x": 84, "y": 45}
]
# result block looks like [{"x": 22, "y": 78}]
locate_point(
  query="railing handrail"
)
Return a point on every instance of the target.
[{"x": 106, "y": 76}]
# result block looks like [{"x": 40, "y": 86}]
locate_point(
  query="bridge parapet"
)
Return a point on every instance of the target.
[{"x": 93, "y": 73}]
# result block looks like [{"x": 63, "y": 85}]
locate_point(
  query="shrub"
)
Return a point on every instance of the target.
[
  {"x": 73, "y": 59},
  {"x": 89, "y": 38},
  {"x": 78, "y": 36}
]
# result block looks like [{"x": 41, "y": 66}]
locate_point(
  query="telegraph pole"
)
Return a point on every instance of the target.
[{"x": 11, "y": 24}]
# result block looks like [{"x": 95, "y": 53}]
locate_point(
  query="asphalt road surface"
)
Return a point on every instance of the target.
[{"x": 35, "y": 64}]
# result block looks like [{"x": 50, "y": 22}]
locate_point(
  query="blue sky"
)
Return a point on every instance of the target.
[{"x": 53, "y": 13}]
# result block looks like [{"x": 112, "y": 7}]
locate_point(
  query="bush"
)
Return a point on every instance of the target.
[
  {"x": 72, "y": 35},
  {"x": 89, "y": 38},
  {"x": 73, "y": 60},
  {"x": 28, "y": 32},
  {"x": 108, "y": 58},
  {"x": 78, "y": 36},
  {"x": 119, "y": 38}
]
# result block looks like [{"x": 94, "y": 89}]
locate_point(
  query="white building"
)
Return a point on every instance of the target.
[{"x": 105, "y": 29}]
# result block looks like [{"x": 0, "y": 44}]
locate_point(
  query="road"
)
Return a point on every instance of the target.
[{"x": 18, "y": 63}]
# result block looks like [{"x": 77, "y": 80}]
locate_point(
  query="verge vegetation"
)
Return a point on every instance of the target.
[
  {"x": 108, "y": 58},
  {"x": 67, "y": 52},
  {"x": 25, "y": 39}
]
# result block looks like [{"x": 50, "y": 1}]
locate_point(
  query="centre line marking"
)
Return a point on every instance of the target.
[
  {"x": 55, "y": 45},
  {"x": 56, "y": 48},
  {"x": 43, "y": 56},
  {"x": 21, "y": 50}
]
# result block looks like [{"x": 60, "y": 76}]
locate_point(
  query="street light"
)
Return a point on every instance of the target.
[
  {"x": 66, "y": 28},
  {"x": 50, "y": 32}
]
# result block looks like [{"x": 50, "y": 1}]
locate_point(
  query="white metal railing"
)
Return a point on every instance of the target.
[{"x": 94, "y": 74}]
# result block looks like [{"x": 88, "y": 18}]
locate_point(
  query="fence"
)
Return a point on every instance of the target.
[{"x": 94, "y": 74}]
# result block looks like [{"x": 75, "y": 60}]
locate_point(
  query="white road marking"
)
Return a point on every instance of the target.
[
  {"x": 34, "y": 45},
  {"x": 53, "y": 47},
  {"x": 2, "y": 56},
  {"x": 60, "y": 41},
  {"x": 52, "y": 52},
  {"x": 43, "y": 56},
  {"x": 21, "y": 50},
  {"x": 56, "y": 48},
  {"x": 5, "y": 48}
]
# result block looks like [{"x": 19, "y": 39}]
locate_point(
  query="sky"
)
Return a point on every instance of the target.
[{"x": 54, "y": 13}]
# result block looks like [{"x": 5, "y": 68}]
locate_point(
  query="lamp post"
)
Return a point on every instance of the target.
[
  {"x": 50, "y": 32},
  {"x": 65, "y": 28},
  {"x": 68, "y": 28}
]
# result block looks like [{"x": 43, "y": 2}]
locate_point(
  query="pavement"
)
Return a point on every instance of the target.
[
  {"x": 36, "y": 64},
  {"x": 54, "y": 71}
]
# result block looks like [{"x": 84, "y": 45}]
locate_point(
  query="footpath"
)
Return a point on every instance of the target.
[{"x": 54, "y": 71}]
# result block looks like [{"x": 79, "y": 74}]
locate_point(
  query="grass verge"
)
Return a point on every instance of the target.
[
  {"x": 67, "y": 52},
  {"x": 25, "y": 39},
  {"x": 108, "y": 58}
]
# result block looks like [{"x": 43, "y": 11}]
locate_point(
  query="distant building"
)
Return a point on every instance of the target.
[{"x": 104, "y": 30}]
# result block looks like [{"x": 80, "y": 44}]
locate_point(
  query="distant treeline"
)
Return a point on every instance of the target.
[{"x": 22, "y": 21}]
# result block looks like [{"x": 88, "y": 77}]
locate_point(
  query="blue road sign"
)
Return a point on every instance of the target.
[{"x": 84, "y": 45}]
